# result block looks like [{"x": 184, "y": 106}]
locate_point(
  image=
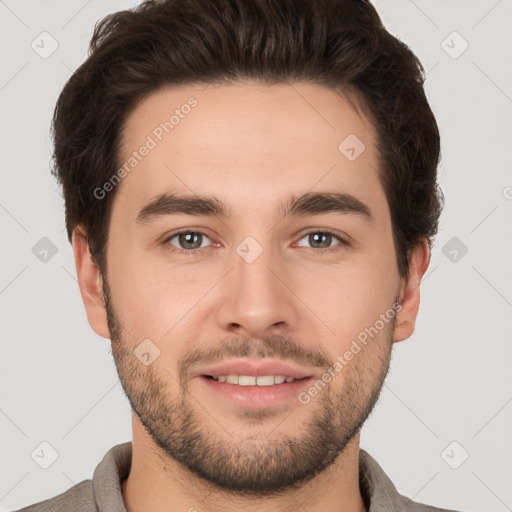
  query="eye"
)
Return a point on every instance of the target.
[
  {"x": 193, "y": 243},
  {"x": 187, "y": 242},
  {"x": 322, "y": 240}
]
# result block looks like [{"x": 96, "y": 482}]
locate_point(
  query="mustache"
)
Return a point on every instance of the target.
[{"x": 278, "y": 347}]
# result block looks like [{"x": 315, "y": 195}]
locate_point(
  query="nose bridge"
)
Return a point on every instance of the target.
[{"x": 254, "y": 297}]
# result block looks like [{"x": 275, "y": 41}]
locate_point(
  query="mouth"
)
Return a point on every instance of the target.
[
  {"x": 252, "y": 380},
  {"x": 243, "y": 372},
  {"x": 254, "y": 392}
]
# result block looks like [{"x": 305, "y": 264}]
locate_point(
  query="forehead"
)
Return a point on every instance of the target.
[{"x": 248, "y": 138}]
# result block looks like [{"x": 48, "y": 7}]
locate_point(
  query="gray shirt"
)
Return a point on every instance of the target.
[{"x": 104, "y": 494}]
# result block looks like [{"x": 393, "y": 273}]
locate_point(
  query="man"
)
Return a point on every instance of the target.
[{"x": 251, "y": 195}]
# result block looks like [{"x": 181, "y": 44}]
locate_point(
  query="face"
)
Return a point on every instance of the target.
[{"x": 261, "y": 276}]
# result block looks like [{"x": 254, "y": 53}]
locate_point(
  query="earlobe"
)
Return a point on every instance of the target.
[
  {"x": 91, "y": 283},
  {"x": 409, "y": 297}
]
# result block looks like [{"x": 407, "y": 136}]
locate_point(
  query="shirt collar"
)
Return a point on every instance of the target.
[{"x": 378, "y": 492}]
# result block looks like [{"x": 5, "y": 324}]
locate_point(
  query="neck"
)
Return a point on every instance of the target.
[{"x": 156, "y": 482}]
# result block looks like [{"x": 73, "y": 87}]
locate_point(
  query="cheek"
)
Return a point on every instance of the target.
[
  {"x": 156, "y": 301},
  {"x": 350, "y": 300},
  {"x": 134, "y": 289}
]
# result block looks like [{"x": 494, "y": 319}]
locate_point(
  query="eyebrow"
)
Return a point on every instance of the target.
[{"x": 310, "y": 203}]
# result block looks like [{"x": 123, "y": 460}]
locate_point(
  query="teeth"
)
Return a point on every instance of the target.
[
  {"x": 232, "y": 379},
  {"x": 246, "y": 380},
  {"x": 249, "y": 380}
]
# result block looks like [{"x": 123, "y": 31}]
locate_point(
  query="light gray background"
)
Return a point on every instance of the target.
[{"x": 451, "y": 381}]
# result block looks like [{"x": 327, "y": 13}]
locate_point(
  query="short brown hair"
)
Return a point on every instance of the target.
[{"x": 341, "y": 44}]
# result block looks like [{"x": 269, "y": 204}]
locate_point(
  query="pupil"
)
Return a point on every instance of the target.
[
  {"x": 186, "y": 239},
  {"x": 317, "y": 236}
]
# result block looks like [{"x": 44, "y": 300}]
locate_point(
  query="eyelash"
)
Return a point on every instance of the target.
[{"x": 200, "y": 251}]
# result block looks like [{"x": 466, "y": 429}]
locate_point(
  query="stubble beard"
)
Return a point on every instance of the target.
[{"x": 180, "y": 427}]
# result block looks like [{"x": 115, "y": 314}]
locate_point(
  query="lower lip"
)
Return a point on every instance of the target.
[{"x": 258, "y": 396}]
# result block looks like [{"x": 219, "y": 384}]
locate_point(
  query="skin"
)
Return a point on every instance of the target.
[{"x": 250, "y": 145}]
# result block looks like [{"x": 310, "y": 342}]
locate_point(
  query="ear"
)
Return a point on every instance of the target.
[
  {"x": 419, "y": 260},
  {"x": 90, "y": 283}
]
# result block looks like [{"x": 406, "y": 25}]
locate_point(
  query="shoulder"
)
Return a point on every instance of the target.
[
  {"x": 79, "y": 497},
  {"x": 102, "y": 492},
  {"x": 407, "y": 505},
  {"x": 379, "y": 492}
]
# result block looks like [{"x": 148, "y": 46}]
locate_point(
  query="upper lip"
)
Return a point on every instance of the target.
[{"x": 254, "y": 368}]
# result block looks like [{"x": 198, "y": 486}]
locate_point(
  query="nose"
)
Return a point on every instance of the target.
[{"x": 257, "y": 298}]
